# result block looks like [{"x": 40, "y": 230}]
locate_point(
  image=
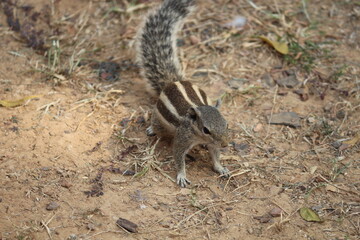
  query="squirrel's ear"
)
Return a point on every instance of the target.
[
  {"x": 192, "y": 114},
  {"x": 218, "y": 103}
]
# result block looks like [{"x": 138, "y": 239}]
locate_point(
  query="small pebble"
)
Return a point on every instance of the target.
[
  {"x": 276, "y": 212},
  {"x": 311, "y": 120},
  {"x": 128, "y": 225},
  {"x": 52, "y": 206},
  {"x": 91, "y": 226},
  {"x": 258, "y": 127},
  {"x": 65, "y": 184},
  {"x": 194, "y": 40}
]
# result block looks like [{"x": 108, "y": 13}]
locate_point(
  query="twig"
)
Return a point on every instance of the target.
[
  {"x": 201, "y": 210},
  {"x": 340, "y": 188},
  {"x": 45, "y": 224},
  {"x": 162, "y": 172},
  {"x": 305, "y": 10},
  {"x": 272, "y": 112},
  {"x": 87, "y": 116},
  {"x": 46, "y": 107},
  {"x": 234, "y": 175}
]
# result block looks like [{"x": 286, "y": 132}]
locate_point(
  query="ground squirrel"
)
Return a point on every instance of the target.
[{"x": 183, "y": 111}]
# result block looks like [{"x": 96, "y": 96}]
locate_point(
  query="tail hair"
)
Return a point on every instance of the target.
[{"x": 157, "y": 50}]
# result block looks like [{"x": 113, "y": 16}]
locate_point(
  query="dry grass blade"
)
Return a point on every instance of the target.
[
  {"x": 45, "y": 225},
  {"x": 234, "y": 175}
]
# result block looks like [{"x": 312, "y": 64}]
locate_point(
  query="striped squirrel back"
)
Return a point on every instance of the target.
[{"x": 177, "y": 98}]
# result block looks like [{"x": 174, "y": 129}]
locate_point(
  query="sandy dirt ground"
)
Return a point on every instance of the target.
[{"x": 75, "y": 158}]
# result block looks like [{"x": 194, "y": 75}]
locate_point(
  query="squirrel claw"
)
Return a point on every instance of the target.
[
  {"x": 182, "y": 181},
  {"x": 150, "y": 131},
  {"x": 224, "y": 172}
]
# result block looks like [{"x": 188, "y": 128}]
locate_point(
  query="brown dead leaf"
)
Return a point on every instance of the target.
[{"x": 331, "y": 188}]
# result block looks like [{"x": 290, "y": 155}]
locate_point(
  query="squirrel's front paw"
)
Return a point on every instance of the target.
[
  {"x": 224, "y": 172},
  {"x": 182, "y": 180},
  {"x": 150, "y": 132}
]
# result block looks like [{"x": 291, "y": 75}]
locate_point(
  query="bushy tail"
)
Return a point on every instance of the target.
[{"x": 157, "y": 50}]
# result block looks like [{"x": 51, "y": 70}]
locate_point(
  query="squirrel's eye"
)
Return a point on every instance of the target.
[{"x": 206, "y": 131}]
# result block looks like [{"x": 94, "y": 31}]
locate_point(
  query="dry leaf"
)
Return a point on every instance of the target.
[
  {"x": 309, "y": 215},
  {"x": 313, "y": 169},
  {"x": 349, "y": 143},
  {"x": 15, "y": 103},
  {"x": 331, "y": 188},
  {"x": 258, "y": 127},
  {"x": 281, "y": 47}
]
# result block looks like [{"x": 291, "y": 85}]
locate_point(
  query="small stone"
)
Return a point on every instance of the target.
[
  {"x": 194, "y": 40},
  {"x": 336, "y": 144},
  {"x": 65, "y": 184},
  {"x": 267, "y": 80},
  {"x": 52, "y": 206},
  {"x": 276, "y": 212},
  {"x": 289, "y": 81},
  {"x": 91, "y": 226},
  {"x": 258, "y": 127},
  {"x": 181, "y": 198},
  {"x": 165, "y": 224},
  {"x": 126, "y": 224},
  {"x": 240, "y": 146},
  {"x": 271, "y": 150},
  {"x": 128, "y": 173},
  {"x": 311, "y": 120},
  {"x": 210, "y": 221},
  {"x": 237, "y": 83},
  {"x": 290, "y": 119}
]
